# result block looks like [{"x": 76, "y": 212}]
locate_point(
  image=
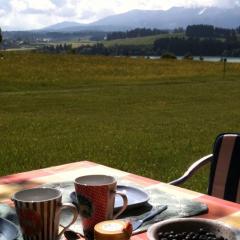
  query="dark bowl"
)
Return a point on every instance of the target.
[
  {"x": 8, "y": 230},
  {"x": 179, "y": 225}
]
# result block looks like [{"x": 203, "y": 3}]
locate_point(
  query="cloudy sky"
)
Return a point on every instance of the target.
[{"x": 33, "y": 14}]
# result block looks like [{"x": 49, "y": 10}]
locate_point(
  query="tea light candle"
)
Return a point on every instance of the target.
[{"x": 113, "y": 229}]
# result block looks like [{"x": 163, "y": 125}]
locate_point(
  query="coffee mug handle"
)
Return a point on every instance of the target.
[
  {"x": 125, "y": 204},
  {"x": 75, "y": 216}
]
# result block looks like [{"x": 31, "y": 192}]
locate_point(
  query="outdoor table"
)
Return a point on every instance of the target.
[{"x": 221, "y": 210}]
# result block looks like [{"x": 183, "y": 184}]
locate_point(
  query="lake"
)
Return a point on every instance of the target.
[
  {"x": 207, "y": 58},
  {"x": 217, "y": 59}
]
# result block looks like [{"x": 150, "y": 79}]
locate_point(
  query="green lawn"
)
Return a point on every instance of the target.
[{"x": 150, "y": 117}]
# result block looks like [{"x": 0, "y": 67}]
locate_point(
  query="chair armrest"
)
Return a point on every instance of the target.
[{"x": 192, "y": 169}]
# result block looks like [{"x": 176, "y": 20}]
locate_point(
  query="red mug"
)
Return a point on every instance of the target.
[{"x": 96, "y": 197}]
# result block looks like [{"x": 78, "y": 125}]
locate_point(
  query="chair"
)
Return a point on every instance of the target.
[{"x": 224, "y": 179}]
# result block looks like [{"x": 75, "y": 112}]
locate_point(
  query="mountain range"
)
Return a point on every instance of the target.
[{"x": 173, "y": 18}]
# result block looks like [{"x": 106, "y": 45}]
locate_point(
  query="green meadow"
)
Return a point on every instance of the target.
[
  {"x": 149, "y": 117},
  {"x": 148, "y": 40}
]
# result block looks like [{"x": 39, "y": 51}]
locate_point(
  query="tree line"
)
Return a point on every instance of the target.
[
  {"x": 177, "y": 46},
  {"x": 100, "y": 49},
  {"x": 196, "y": 31},
  {"x": 197, "y": 46},
  {"x": 209, "y": 31},
  {"x": 38, "y": 36},
  {"x": 138, "y": 32}
]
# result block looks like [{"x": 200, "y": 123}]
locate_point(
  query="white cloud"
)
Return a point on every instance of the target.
[
  {"x": 2, "y": 13},
  {"x": 66, "y": 12},
  {"x": 34, "y": 11},
  {"x": 43, "y": 4},
  {"x": 31, "y": 14}
]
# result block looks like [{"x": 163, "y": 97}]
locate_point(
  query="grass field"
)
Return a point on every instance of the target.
[
  {"x": 75, "y": 44},
  {"x": 149, "y": 40},
  {"x": 150, "y": 117}
]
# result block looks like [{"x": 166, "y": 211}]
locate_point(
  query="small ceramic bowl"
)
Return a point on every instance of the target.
[{"x": 179, "y": 225}]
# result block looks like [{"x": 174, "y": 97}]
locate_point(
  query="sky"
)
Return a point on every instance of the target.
[{"x": 36, "y": 14}]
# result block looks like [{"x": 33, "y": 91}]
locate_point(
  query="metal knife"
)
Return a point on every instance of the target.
[{"x": 138, "y": 223}]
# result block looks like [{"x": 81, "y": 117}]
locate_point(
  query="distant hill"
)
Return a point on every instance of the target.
[
  {"x": 170, "y": 19},
  {"x": 175, "y": 17},
  {"x": 63, "y": 25},
  {"x": 75, "y": 27}
]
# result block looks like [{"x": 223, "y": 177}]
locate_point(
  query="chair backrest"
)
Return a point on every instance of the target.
[{"x": 224, "y": 181}]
